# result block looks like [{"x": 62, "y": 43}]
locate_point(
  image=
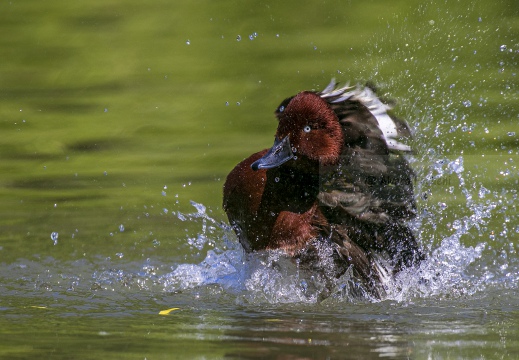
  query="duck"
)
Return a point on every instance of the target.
[{"x": 334, "y": 193}]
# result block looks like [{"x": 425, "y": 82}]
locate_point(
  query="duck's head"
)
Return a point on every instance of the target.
[{"x": 308, "y": 130}]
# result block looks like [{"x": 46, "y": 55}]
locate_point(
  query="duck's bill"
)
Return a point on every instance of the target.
[{"x": 278, "y": 154}]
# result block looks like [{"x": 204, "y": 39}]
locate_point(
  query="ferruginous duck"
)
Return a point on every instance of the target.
[{"x": 336, "y": 183}]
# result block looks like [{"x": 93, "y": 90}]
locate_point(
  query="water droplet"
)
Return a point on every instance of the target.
[
  {"x": 503, "y": 47},
  {"x": 163, "y": 193},
  {"x": 54, "y": 236},
  {"x": 106, "y": 110},
  {"x": 165, "y": 211},
  {"x": 251, "y": 37},
  {"x": 238, "y": 103},
  {"x": 105, "y": 173},
  {"x": 226, "y": 103},
  {"x": 188, "y": 42},
  {"x": 511, "y": 133},
  {"x": 156, "y": 242},
  {"x": 431, "y": 22},
  {"x": 467, "y": 103},
  {"x": 276, "y": 179},
  {"x": 121, "y": 228},
  {"x": 238, "y": 38},
  {"x": 199, "y": 207},
  {"x": 119, "y": 255}
]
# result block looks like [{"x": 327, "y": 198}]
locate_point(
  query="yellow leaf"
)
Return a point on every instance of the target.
[{"x": 168, "y": 311}]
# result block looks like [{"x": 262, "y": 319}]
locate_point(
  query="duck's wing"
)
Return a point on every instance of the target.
[{"x": 369, "y": 194}]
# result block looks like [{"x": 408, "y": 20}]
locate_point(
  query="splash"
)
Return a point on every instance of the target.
[{"x": 455, "y": 266}]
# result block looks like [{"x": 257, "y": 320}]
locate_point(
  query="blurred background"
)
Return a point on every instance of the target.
[{"x": 120, "y": 120}]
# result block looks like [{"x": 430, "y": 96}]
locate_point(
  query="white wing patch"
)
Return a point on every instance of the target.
[{"x": 379, "y": 110}]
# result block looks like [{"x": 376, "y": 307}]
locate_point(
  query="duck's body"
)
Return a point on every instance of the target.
[{"x": 334, "y": 176}]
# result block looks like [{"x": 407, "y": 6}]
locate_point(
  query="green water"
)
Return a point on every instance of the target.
[{"x": 114, "y": 116}]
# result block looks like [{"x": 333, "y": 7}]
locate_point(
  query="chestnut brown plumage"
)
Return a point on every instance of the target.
[{"x": 336, "y": 176}]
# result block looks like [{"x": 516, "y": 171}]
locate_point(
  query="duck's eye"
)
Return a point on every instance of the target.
[
  {"x": 281, "y": 109},
  {"x": 307, "y": 129}
]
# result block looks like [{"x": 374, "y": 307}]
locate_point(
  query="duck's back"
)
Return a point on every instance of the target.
[{"x": 368, "y": 197}]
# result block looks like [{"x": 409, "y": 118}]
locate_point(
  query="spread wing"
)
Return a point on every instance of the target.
[{"x": 369, "y": 194}]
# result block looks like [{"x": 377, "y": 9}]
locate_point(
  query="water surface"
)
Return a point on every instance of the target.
[{"x": 120, "y": 121}]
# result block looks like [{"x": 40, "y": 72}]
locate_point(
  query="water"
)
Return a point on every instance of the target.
[{"x": 120, "y": 122}]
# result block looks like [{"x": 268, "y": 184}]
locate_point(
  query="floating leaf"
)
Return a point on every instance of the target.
[{"x": 168, "y": 311}]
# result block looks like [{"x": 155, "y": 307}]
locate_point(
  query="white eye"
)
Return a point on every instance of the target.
[{"x": 307, "y": 129}]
